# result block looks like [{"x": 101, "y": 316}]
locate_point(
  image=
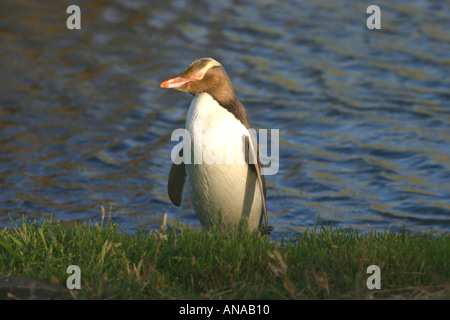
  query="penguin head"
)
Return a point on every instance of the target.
[{"x": 201, "y": 75}]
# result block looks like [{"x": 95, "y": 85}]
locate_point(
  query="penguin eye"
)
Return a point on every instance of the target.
[{"x": 198, "y": 75}]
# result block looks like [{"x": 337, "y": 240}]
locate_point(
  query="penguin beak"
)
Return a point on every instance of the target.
[
  {"x": 175, "y": 83},
  {"x": 179, "y": 82}
]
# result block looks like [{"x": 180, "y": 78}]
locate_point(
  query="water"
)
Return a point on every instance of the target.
[{"x": 364, "y": 116}]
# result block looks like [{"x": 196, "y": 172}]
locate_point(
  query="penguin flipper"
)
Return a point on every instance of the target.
[
  {"x": 250, "y": 142},
  {"x": 176, "y": 182}
]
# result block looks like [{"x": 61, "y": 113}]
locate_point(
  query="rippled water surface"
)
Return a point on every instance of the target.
[{"x": 364, "y": 115}]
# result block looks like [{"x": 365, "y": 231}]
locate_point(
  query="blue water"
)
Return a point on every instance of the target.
[{"x": 364, "y": 115}]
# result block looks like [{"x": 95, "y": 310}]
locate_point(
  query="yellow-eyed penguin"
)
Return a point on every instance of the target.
[{"x": 223, "y": 181}]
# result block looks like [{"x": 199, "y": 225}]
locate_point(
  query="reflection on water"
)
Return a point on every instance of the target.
[{"x": 364, "y": 116}]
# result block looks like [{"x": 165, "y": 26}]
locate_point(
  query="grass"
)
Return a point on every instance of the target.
[{"x": 323, "y": 263}]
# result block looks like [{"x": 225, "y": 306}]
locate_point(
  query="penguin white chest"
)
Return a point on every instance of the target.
[{"x": 221, "y": 182}]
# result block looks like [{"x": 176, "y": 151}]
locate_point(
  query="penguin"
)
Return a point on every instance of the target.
[{"x": 225, "y": 183}]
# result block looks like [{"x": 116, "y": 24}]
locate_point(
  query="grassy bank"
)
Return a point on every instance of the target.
[{"x": 191, "y": 264}]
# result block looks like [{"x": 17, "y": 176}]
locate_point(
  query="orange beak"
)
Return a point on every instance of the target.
[
  {"x": 175, "y": 83},
  {"x": 179, "y": 82}
]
